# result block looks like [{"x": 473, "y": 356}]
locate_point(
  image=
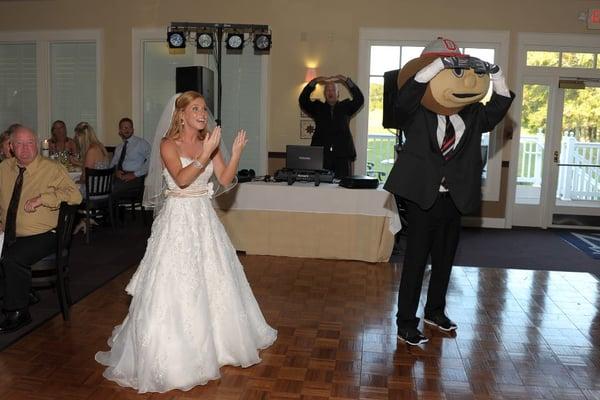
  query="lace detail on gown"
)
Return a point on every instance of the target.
[{"x": 192, "y": 309}]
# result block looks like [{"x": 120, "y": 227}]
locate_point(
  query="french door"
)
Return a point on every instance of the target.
[{"x": 557, "y": 178}]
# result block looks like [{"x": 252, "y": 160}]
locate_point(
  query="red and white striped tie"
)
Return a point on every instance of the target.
[{"x": 449, "y": 138}]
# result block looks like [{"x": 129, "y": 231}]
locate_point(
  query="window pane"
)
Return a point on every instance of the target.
[
  {"x": 384, "y": 58},
  {"x": 531, "y": 146},
  {"x": 158, "y": 82},
  {"x": 543, "y": 58},
  {"x": 410, "y": 52},
  {"x": 488, "y": 55},
  {"x": 380, "y": 150},
  {"x": 241, "y": 92},
  {"x": 578, "y": 60},
  {"x": 18, "y": 87},
  {"x": 73, "y": 83},
  {"x": 579, "y": 166},
  {"x": 375, "y": 105}
]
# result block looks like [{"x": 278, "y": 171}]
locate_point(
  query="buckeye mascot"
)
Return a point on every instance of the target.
[{"x": 438, "y": 170}]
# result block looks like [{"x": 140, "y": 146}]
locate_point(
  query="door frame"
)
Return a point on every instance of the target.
[
  {"x": 554, "y": 168},
  {"x": 541, "y": 216}
]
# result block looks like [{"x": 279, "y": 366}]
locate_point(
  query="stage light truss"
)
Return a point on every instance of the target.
[{"x": 209, "y": 36}]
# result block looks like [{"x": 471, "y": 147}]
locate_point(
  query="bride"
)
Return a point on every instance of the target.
[{"x": 192, "y": 309}]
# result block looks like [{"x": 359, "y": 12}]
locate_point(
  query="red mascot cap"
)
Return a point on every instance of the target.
[{"x": 442, "y": 47}]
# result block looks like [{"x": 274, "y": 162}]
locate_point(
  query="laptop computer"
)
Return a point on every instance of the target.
[{"x": 304, "y": 157}]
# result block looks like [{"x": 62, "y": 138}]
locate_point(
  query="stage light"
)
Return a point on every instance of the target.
[
  {"x": 205, "y": 41},
  {"x": 176, "y": 39},
  {"x": 262, "y": 42},
  {"x": 234, "y": 41}
]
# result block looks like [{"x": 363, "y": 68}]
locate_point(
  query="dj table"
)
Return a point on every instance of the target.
[{"x": 304, "y": 220}]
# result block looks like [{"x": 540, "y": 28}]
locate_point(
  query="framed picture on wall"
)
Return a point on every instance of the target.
[{"x": 307, "y": 128}]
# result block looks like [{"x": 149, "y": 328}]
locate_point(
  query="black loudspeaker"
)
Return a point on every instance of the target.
[
  {"x": 390, "y": 91},
  {"x": 200, "y": 79}
]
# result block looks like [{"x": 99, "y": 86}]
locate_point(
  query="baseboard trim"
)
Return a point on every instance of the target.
[{"x": 484, "y": 222}]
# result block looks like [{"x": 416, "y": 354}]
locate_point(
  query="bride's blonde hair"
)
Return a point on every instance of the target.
[{"x": 176, "y": 127}]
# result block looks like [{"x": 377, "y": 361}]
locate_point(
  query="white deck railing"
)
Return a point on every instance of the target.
[{"x": 574, "y": 182}]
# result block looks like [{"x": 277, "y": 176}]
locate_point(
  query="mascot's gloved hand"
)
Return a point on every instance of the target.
[
  {"x": 498, "y": 82},
  {"x": 456, "y": 62},
  {"x": 428, "y": 72},
  {"x": 482, "y": 67}
]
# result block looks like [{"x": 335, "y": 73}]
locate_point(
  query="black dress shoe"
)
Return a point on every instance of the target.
[
  {"x": 442, "y": 322},
  {"x": 411, "y": 336},
  {"x": 14, "y": 320}
]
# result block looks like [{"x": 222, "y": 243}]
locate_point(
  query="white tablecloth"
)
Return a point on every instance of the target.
[
  {"x": 306, "y": 197},
  {"x": 302, "y": 220}
]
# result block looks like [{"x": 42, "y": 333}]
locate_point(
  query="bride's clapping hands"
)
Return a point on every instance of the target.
[
  {"x": 212, "y": 142},
  {"x": 239, "y": 143}
]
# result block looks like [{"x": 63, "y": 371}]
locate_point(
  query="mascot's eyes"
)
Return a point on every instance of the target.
[
  {"x": 458, "y": 72},
  {"x": 479, "y": 74}
]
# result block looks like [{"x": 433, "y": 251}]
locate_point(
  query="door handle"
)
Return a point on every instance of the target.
[{"x": 556, "y": 156}]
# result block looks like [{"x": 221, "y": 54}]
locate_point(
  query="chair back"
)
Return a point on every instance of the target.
[
  {"x": 53, "y": 270},
  {"x": 64, "y": 232},
  {"x": 98, "y": 183}
]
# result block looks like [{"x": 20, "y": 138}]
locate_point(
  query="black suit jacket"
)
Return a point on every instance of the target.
[
  {"x": 420, "y": 166},
  {"x": 332, "y": 124}
]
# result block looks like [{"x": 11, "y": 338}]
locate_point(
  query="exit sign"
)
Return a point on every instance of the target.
[{"x": 593, "y": 21}]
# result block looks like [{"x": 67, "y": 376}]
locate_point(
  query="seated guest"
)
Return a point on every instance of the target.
[
  {"x": 92, "y": 152},
  {"x": 131, "y": 162},
  {"x": 59, "y": 141},
  {"x": 5, "y": 152},
  {"x": 31, "y": 190},
  {"x": 93, "y": 155}
]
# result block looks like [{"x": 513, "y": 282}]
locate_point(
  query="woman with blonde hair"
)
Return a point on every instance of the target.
[
  {"x": 192, "y": 310},
  {"x": 92, "y": 151},
  {"x": 93, "y": 155}
]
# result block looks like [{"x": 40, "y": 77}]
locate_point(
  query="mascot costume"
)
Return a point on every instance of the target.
[{"x": 438, "y": 170}]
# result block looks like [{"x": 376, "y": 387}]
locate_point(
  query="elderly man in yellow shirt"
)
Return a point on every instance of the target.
[{"x": 31, "y": 190}]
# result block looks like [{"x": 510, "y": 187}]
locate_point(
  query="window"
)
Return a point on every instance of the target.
[
  {"x": 49, "y": 75},
  {"x": 380, "y": 150},
  {"x": 577, "y": 60},
  {"x": 73, "y": 83},
  {"x": 381, "y": 141},
  {"x": 560, "y": 59},
  {"x": 543, "y": 58},
  {"x": 389, "y": 49},
  {"x": 243, "y": 102},
  {"x": 18, "y": 76}
]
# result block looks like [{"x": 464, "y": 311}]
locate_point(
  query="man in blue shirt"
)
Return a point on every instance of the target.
[{"x": 130, "y": 161}]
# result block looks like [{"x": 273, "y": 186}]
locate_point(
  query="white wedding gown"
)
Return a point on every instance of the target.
[{"x": 192, "y": 309}]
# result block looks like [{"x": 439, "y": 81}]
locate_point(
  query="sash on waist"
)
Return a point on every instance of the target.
[{"x": 190, "y": 192}]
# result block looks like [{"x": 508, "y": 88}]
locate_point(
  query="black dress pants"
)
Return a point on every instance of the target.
[
  {"x": 432, "y": 232},
  {"x": 127, "y": 190},
  {"x": 16, "y": 267}
]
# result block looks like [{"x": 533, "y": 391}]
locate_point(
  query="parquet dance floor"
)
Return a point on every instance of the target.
[{"x": 522, "y": 335}]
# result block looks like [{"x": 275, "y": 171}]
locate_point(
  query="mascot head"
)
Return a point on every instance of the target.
[{"x": 451, "y": 89}]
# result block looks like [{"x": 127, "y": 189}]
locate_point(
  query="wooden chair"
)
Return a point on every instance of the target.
[
  {"x": 98, "y": 189},
  {"x": 53, "y": 271}
]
